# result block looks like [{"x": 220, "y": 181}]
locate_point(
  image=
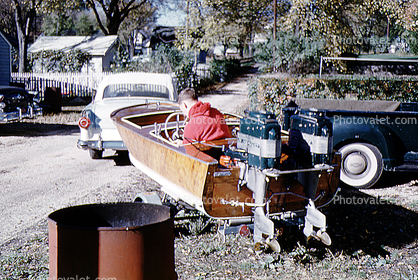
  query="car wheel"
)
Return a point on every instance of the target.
[
  {"x": 361, "y": 165},
  {"x": 96, "y": 154}
]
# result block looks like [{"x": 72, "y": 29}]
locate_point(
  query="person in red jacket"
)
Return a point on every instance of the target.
[{"x": 204, "y": 122}]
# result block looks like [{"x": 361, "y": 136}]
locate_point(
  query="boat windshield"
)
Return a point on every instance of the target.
[{"x": 136, "y": 90}]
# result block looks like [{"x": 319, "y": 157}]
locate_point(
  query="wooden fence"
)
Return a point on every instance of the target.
[
  {"x": 71, "y": 84},
  {"x": 85, "y": 84}
]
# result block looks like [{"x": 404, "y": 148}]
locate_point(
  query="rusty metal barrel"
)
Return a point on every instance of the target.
[{"x": 111, "y": 241}]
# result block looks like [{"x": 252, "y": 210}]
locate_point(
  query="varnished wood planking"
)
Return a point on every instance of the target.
[{"x": 176, "y": 167}]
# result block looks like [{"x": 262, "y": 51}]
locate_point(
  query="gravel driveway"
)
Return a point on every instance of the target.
[{"x": 42, "y": 173}]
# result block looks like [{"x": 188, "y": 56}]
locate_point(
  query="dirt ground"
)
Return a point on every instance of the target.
[{"x": 42, "y": 170}]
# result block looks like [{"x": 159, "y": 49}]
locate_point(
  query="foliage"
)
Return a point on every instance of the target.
[
  {"x": 290, "y": 53},
  {"x": 411, "y": 33},
  {"x": 60, "y": 17},
  {"x": 59, "y": 61},
  {"x": 136, "y": 20},
  {"x": 189, "y": 37},
  {"x": 270, "y": 93},
  {"x": 341, "y": 24},
  {"x": 410, "y": 15},
  {"x": 224, "y": 70},
  {"x": 7, "y": 20},
  {"x": 57, "y": 25},
  {"x": 227, "y": 23},
  {"x": 165, "y": 59},
  {"x": 115, "y": 11},
  {"x": 25, "y": 13},
  {"x": 169, "y": 59},
  {"x": 61, "y": 7},
  {"x": 241, "y": 19},
  {"x": 84, "y": 25}
]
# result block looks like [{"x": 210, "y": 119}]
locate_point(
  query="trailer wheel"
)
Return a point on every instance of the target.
[
  {"x": 361, "y": 165},
  {"x": 96, "y": 154},
  {"x": 274, "y": 246}
]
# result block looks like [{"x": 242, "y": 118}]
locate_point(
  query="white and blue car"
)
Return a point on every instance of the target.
[{"x": 97, "y": 130}]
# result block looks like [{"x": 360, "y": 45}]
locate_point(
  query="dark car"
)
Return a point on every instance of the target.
[
  {"x": 17, "y": 104},
  {"x": 372, "y": 136}
]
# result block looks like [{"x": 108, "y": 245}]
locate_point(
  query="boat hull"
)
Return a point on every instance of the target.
[{"x": 192, "y": 172}]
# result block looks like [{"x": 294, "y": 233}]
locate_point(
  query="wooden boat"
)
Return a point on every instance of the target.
[{"x": 193, "y": 173}]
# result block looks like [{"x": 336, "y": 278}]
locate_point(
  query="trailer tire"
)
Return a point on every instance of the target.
[{"x": 361, "y": 165}]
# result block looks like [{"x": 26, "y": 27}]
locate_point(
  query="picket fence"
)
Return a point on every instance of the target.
[
  {"x": 84, "y": 84},
  {"x": 71, "y": 84}
]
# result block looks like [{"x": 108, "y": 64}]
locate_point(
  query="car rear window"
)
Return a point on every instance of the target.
[{"x": 128, "y": 90}]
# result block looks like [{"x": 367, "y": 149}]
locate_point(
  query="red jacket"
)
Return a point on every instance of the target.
[{"x": 205, "y": 124}]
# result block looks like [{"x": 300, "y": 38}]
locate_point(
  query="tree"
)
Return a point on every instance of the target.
[
  {"x": 245, "y": 17},
  {"x": 85, "y": 25},
  {"x": 7, "y": 21},
  {"x": 59, "y": 16},
  {"x": 229, "y": 23},
  {"x": 55, "y": 24},
  {"x": 135, "y": 21},
  {"x": 340, "y": 23},
  {"x": 115, "y": 11},
  {"x": 24, "y": 16},
  {"x": 25, "y": 12},
  {"x": 189, "y": 37}
]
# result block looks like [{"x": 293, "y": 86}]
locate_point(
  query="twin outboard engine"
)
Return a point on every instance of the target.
[{"x": 259, "y": 153}]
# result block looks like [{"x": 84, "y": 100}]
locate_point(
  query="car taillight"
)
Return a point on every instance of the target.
[{"x": 84, "y": 122}]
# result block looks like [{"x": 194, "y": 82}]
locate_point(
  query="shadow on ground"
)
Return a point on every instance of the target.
[
  {"x": 390, "y": 179},
  {"x": 360, "y": 222},
  {"x": 37, "y": 129},
  {"x": 121, "y": 158}
]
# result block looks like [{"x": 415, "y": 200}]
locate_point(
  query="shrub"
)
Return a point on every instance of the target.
[
  {"x": 224, "y": 70},
  {"x": 59, "y": 61},
  {"x": 165, "y": 59},
  {"x": 290, "y": 53},
  {"x": 270, "y": 93}
]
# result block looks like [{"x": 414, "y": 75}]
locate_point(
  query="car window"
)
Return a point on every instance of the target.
[{"x": 129, "y": 90}]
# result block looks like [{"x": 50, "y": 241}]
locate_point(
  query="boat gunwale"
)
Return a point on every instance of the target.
[
  {"x": 122, "y": 116},
  {"x": 145, "y": 132}
]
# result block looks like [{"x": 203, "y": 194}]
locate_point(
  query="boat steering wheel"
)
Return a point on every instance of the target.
[{"x": 177, "y": 134}]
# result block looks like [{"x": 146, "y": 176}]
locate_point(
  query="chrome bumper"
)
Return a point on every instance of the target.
[
  {"x": 101, "y": 145},
  {"x": 18, "y": 115}
]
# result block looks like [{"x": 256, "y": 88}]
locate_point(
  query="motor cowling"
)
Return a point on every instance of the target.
[
  {"x": 311, "y": 130},
  {"x": 259, "y": 137}
]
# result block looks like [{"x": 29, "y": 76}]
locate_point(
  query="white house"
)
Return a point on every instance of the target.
[{"x": 100, "y": 48}]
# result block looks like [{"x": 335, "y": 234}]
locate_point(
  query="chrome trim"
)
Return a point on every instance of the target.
[{"x": 101, "y": 145}]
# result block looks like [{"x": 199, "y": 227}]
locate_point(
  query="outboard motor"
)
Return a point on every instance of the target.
[
  {"x": 259, "y": 136},
  {"x": 258, "y": 150},
  {"x": 314, "y": 129}
]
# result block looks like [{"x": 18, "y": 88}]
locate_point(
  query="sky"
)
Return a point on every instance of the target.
[{"x": 171, "y": 17}]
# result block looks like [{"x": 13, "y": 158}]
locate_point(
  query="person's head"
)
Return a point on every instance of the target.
[{"x": 187, "y": 98}]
